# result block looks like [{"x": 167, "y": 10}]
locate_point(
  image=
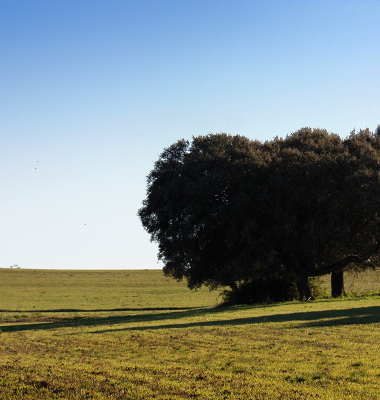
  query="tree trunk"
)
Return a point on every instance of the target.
[
  {"x": 304, "y": 289},
  {"x": 337, "y": 283}
]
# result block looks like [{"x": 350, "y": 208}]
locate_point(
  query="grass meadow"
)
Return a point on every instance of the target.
[{"x": 138, "y": 335}]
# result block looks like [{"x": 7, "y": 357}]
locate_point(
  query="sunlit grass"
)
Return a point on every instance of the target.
[
  {"x": 59, "y": 290},
  {"x": 328, "y": 349}
]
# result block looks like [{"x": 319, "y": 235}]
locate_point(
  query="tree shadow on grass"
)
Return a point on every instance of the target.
[
  {"x": 362, "y": 315},
  {"x": 54, "y": 322},
  {"x": 56, "y": 310},
  {"x": 353, "y": 316}
]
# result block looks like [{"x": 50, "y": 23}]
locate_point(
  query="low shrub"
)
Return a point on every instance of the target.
[{"x": 268, "y": 290}]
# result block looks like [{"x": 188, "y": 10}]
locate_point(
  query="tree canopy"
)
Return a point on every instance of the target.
[{"x": 225, "y": 209}]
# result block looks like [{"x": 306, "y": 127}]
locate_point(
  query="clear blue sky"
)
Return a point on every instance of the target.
[{"x": 92, "y": 91}]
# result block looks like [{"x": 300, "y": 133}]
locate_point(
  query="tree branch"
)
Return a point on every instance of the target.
[{"x": 348, "y": 260}]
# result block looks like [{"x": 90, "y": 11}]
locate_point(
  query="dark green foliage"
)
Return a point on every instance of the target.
[
  {"x": 263, "y": 290},
  {"x": 274, "y": 289},
  {"x": 226, "y": 210}
]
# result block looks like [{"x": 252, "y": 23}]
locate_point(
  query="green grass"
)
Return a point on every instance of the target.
[
  {"x": 180, "y": 348},
  {"x": 119, "y": 290}
]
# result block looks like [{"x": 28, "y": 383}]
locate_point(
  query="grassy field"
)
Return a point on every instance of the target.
[
  {"x": 58, "y": 290},
  {"x": 137, "y": 335}
]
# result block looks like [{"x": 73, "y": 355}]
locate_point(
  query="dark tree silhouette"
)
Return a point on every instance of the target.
[{"x": 226, "y": 210}]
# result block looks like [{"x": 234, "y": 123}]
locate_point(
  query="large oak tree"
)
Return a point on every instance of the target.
[{"x": 225, "y": 210}]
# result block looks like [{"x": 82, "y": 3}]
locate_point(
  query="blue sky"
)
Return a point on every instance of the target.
[{"x": 92, "y": 91}]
